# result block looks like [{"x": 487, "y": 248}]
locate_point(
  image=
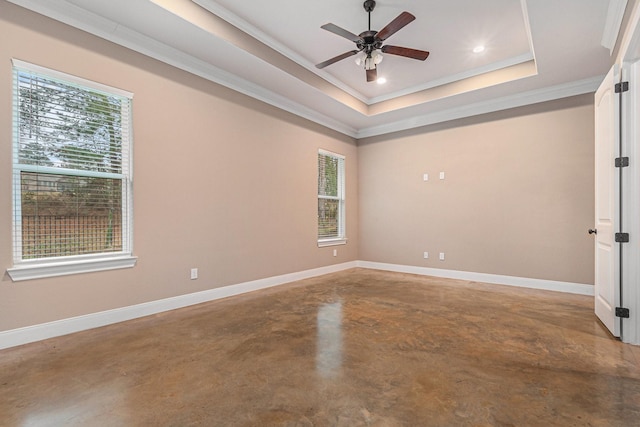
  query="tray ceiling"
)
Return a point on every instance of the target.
[{"x": 535, "y": 50}]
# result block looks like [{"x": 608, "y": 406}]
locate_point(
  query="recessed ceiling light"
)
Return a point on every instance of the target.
[
  {"x": 381, "y": 81},
  {"x": 478, "y": 49}
]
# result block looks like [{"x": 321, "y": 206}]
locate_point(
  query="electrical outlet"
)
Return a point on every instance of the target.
[
  {"x": 441, "y": 175},
  {"x": 194, "y": 273},
  {"x": 426, "y": 255},
  {"x": 425, "y": 177},
  {"x": 441, "y": 256}
]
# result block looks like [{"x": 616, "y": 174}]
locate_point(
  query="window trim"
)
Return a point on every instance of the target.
[
  {"x": 342, "y": 238},
  {"x": 65, "y": 265},
  {"x": 37, "y": 269},
  {"x": 323, "y": 243}
]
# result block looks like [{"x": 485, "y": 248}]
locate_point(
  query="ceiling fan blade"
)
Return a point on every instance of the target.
[
  {"x": 392, "y": 27},
  {"x": 336, "y": 58},
  {"x": 406, "y": 52},
  {"x": 372, "y": 75},
  {"x": 342, "y": 32}
]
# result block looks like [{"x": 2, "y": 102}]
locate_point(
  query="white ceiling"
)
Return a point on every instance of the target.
[
  {"x": 439, "y": 28},
  {"x": 536, "y": 50}
]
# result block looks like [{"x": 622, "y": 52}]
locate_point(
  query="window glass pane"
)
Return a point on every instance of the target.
[
  {"x": 328, "y": 215},
  {"x": 69, "y": 215}
]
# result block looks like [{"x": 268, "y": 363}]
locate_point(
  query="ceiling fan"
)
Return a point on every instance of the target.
[{"x": 370, "y": 42}]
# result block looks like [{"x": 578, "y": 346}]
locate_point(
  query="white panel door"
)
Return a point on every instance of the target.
[{"x": 607, "y": 115}]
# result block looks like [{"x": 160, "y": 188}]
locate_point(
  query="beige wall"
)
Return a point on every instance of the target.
[
  {"x": 517, "y": 198},
  {"x": 221, "y": 182},
  {"x": 227, "y": 184}
]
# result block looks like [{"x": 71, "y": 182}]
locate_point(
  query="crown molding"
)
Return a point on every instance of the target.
[
  {"x": 68, "y": 13},
  {"x": 496, "y": 66},
  {"x": 615, "y": 14},
  {"x": 498, "y": 104},
  {"x": 80, "y": 18},
  {"x": 233, "y": 19},
  {"x": 214, "y": 7}
]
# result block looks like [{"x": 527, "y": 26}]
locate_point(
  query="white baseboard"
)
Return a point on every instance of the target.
[
  {"x": 523, "y": 282},
  {"x": 19, "y": 336}
]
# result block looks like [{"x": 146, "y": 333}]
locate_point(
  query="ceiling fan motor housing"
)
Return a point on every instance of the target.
[{"x": 369, "y": 42}]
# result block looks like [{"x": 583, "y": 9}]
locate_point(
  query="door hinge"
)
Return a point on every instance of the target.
[
  {"x": 622, "y": 312},
  {"x": 621, "y": 87},
  {"x": 622, "y": 237},
  {"x": 622, "y": 162}
]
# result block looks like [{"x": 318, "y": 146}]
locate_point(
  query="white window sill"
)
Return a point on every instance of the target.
[
  {"x": 331, "y": 242},
  {"x": 40, "y": 269}
]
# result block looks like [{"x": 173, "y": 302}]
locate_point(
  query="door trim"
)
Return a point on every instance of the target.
[{"x": 631, "y": 208}]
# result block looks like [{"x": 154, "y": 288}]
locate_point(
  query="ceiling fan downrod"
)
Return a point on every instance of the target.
[
  {"x": 369, "y": 5},
  {"x": 368, "y": 42}
]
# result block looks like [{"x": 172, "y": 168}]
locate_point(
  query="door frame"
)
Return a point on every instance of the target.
[
  {"x": 628, "y": 58},
  {"x": 631, "y": 203}
]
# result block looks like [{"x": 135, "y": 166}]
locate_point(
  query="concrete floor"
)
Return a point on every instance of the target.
[{"x": 356, "y": 348}]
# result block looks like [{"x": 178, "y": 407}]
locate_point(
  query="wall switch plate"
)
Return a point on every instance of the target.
[
  {"x": 441, "y": 256},
  {"x": 441, "y": 175},
  {"x": 426, "y": 255},
  {"x": 194, "y": 273},
  {"x": 335, "y": 252},
  {"x": 425, "y": 177}
]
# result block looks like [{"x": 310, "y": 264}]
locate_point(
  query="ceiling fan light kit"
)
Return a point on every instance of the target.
[
  {"x": 369, "y": 61},
  {"x": 370, "y": 42}
]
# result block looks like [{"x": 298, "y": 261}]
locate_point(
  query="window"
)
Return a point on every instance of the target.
[
  {"x": 331, "y": 229},
  {"x": 71, "y": 174}
]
